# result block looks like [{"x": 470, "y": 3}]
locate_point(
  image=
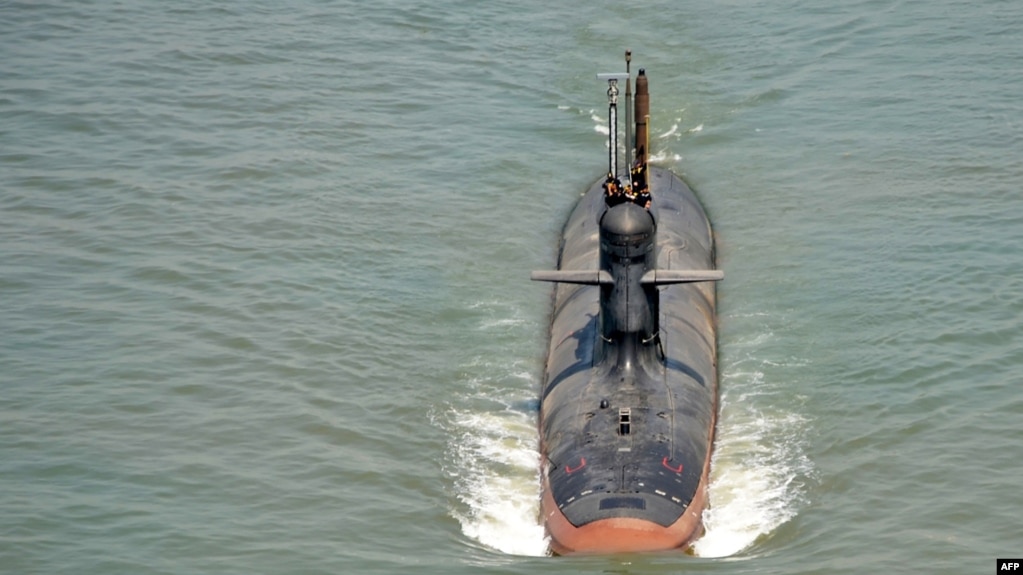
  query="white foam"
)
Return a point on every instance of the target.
[
  {"x": 497, "y": 478},
  {"x": 497, "y": 315},
  {"x": 501, "y": 322},
  {"x": 492, "y": 451},
  {"x": 663, "y": 157},
  {"x": 757, "y": 462}
]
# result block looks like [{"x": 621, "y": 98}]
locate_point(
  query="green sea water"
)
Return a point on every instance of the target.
[{"x": 264, "y": 297}]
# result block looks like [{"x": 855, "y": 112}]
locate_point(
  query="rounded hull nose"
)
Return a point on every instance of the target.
[{"x": 621, "y": 534}]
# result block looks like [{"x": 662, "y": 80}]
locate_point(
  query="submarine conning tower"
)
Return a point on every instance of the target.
[
  {"x": 628, "y": 308},
  {"x": 627, "y": 234}
]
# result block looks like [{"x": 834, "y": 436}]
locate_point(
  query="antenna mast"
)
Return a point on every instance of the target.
[
  {"x": 612, "y": 120},
  {"x": 628, "y": 117}
]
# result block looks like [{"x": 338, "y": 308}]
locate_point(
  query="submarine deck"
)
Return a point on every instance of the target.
[{"x": 633, "y": 440}]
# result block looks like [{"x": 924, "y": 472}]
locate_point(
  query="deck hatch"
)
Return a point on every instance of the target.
[{"x": 624, "y": 420}]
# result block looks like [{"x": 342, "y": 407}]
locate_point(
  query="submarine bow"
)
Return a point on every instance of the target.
[{"x": 629, "y": 396}]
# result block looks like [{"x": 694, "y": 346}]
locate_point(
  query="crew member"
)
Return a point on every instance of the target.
[
  {"x": 613, "y": 192},
  {"x": 640, "y": 193},
  {"x": 642, "y": 198}
]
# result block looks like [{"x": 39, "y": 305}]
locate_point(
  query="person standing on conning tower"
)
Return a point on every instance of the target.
[
  {"x": 613, "y": 192},
  {"x": 640, "y": 192}
]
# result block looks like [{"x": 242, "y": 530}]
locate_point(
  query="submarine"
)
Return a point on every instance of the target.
[{"x": 629, "y": 394}]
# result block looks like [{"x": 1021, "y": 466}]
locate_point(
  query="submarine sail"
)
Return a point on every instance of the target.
[{"x": 629, "y": 397}]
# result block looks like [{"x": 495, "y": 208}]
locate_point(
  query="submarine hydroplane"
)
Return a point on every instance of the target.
[{"x": 629, "y": 396}]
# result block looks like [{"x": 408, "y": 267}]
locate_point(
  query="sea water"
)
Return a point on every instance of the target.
[{"x": 264, "y": 269}]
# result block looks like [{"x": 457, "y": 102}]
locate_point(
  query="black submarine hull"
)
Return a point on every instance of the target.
[{"x": 627, "y": 417}]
